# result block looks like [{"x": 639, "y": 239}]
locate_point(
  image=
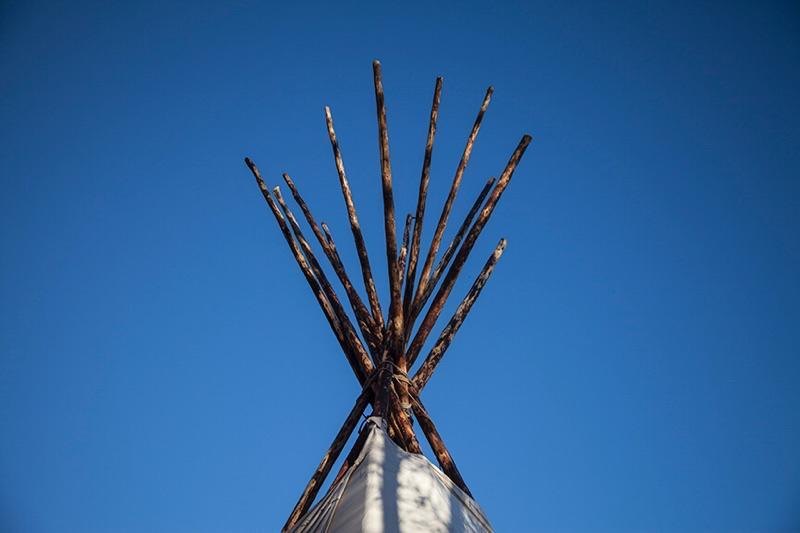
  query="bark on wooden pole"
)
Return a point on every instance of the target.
[
  {"x": 425, "y": 371},
  {"x": 466, "y": 247},
  {"x": 401, "y": 261},
  {"x": 443, "y": 456},
  {"x": 406, "y": 428},
  {"x": 365, "y": 321},
  {"x": 451, "y": 196},
  {"x": 422, "y": 196},
  {"x": 318, "y": 478},
  {"x": 448, "y": 253},
  {"x": 361, "y": 248}
]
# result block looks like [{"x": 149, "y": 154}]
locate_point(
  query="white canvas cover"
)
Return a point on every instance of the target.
[{"x": 390, "y": 490}]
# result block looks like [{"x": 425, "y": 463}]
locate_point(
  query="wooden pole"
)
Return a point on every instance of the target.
[
  {"x": 424, "y": 373},
  {"x": 365, "y": 321},
  {"x": 443, "y": 456},
  {"x": 422, "y": 196},
  {"x": 448, "y": 254},
  {"x": 451, "y": 196},
  {"x": 363, "y": 257},
  {"x": 439, "y": 300},
  {"x": 318, "y": 478},
  {"x": 394, "y": 349},
  {"x": 395, "y": 307}
]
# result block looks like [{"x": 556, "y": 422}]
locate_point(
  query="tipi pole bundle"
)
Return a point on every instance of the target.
[{"x": 382, "y": 367}]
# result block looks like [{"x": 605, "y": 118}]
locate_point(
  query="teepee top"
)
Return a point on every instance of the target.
[{"x": 387, "y": 349}]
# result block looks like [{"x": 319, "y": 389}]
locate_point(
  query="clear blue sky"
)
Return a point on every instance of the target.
[{"x": 634, "y": 364}]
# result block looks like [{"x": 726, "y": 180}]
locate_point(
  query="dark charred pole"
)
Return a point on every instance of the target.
[
  {"x": 463, "y": 253},
  {"x": 451, "y": 196},
  {"x": 361, "y": 248},
  {"x": 424, "y": 373},
  {"x": 422, "y": 196}
]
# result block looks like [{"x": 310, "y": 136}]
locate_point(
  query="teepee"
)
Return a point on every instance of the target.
[{"x": 385, "y": 483}]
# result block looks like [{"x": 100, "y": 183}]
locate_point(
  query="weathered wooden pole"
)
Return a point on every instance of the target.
[
  {"x": 393, "y": 344},
  {"x": 422, "y": 196},
  {"x": 425, "y": 371},
  {"x": 439, "y": 300},
  {"x": 451, "y": 196},
  {"x": 361, "y": 248},
  {"x": 381, "y": 368},
  {"x": 395, "y": 306}
]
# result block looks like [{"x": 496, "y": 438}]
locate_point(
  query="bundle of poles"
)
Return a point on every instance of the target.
[{"x": 386, "y": 350}]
